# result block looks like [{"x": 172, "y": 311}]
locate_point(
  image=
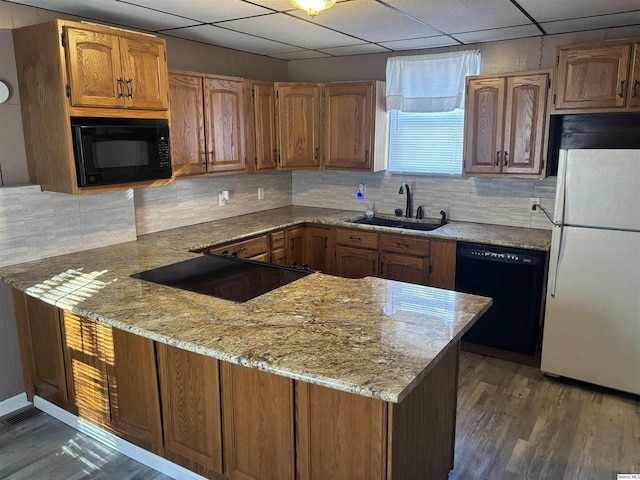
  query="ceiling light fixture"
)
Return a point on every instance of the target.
[{"x": 312, "y": 7}]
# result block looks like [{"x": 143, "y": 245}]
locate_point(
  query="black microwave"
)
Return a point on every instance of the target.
[{"x": 111, "y": 151}]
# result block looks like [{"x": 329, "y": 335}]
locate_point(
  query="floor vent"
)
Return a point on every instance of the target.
[{"x": 20, "y": 416}]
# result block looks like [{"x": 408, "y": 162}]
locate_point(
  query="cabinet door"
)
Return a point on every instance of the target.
[
  {"x": 258, "y": 418},
  {"x": 296, "y": 246},
  {"x": 133, "y": 389},
  {"x": 592, "y": 76},
  {"x": 348, "y": 125},
  {"x": 483, "y": 125},
  {"x": 144, "y": 66},
  {"x": 318, "y": 249},
  {"x": 188, "y": 151},
  {"x": 404, "y": 268},
  {"x": 264, "y": 120},
  {"x": 341, "y": 436},
  {"x": 95, "y": 73},
  {"x": 224, "y": 117},
  {"x": 443, "y": 264},
  {"x": 41, "y": 348},
  {"x": 298, "y": 107},
  {"x": 634, "y": 78},
  {"x": 356, "y": 262},
  {"x": 190, "y": 391},
  {"x": 525, "y": 120}
]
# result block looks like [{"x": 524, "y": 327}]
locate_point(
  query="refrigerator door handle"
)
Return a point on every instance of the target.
[
  {"x": 554, "y": 260},
  {"x": 558, "y": 216}
]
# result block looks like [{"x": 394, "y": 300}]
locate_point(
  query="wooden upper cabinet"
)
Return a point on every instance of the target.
[
  {"x": 505, "y": 125},
  {"x": 483, "y": 132},
  {"x": 298, "y": 112},
  {"x": 525, "y": 115},
  {"x": 592, "y": 76},
  {"x": 348, "y": 125},
  {"x": 264, "y": 124},
  {"x": 224, "y": 123},
  {"x": 634, "y": 78},
  {"x": 114, "y": 71},
  {"x": 95, "y": 72},
  {"x": 145, "y": 73},
  {"x": 188, "y": 150}
]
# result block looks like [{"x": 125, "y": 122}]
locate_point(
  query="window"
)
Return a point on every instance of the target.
[
  {"x": 426, "y": 142},
  {"x": 425, "y": 97}
]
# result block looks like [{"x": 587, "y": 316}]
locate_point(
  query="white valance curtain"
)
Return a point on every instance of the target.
[{"x": 430, "y": 83}]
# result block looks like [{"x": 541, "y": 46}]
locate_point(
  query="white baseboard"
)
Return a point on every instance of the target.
[
  {"x": 138, "y": 454},
  {"x": 13, "y": 404}
]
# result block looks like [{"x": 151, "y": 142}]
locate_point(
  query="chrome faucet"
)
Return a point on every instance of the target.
[{"x": 409, "y": 211}]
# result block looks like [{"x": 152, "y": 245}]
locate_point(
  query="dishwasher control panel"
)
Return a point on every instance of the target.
[{"x": 487, "y": 254}]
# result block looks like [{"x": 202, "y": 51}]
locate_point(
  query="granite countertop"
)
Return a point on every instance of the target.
[
  {"x": 369, "y": 336},
  {"x": 204, "y": 235},
  {"x": 373, "y": 337}
]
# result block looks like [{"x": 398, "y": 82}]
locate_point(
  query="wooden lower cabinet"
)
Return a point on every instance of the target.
[
  {"x": 404, "y": 268},
  {"x": 443, "y": 264},
  {"x": 40, "y": 333},
  {"x": 258, "y": 419},
  {"x": 341, "y": 436},
  {"x": 192, "y": 423},
  {"x": 356, "y": 262},
  {"x": 296, "y": 245},
  {"x": 318, "y": 254}
]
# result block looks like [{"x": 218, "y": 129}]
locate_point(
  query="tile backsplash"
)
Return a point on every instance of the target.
[
  {"x": 36, "y": 224},
  {"x": 502, "y": 201},
  {"x": 195, "y": 200}
]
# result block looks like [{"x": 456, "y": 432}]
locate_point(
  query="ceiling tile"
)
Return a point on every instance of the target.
[
  {"x": 463, "y": 15},
  {"x": 418, "y": 43},
  {"x": 355, "y": 49},
  {"x": 370, "y": 21},
  {"x": 592, "y": 23},
  {"x": 113, "y": 11},
  {"x": 284, "y": 28},
  {"x": 498, "y": 34},
  {"x": 227, "y": 38},
  {"x": 300, "y": 55},
  {"x": 547, "y": 10},
  {"x": 205, "y": 11}
]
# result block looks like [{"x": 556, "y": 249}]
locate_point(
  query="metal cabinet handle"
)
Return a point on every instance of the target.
[
  {"x": 212, "y": 158},
  {"x": 497, "y": 158},
  {"x": 366, "y": 156},
  {"x": 130, "y": 88},
  {"x": 506, "y": 159},
  {"x": 634, "y": 93},
  {"x": 381, "y": 268},
  {"x": 621, "y": 94},
  {"x": 317, "y": 153},
  {"x": 203, "y": 155},
  {"x": 121, "y": 87},
  {"x": 358, "y": 239},
  {"x": 405, "y": 245},
  {"x": 373, "y": 266},
  {"x": 275, "y": 155},
  {"x": 326, "y": 242}
]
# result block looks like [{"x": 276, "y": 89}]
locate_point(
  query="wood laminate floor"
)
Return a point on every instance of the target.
[{"x": 513, "y": 423}]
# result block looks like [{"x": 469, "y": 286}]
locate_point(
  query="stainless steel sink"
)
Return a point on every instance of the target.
[{"x": 393, "y": 223}]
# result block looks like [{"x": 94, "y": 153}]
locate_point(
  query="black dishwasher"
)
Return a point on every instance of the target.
[{"x": 514, "y": 278}]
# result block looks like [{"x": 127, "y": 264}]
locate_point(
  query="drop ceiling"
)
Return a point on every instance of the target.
[{"x": 351, "y": 27}]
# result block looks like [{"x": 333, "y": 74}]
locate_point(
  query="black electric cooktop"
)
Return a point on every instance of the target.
[{"x": 224, "y": 277}]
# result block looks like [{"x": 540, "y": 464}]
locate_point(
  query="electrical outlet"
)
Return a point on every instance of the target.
[
  {"x": 260, "y": 193},
  {"x": 223, "y": 198},
  {"x": 532, "y": 203}
]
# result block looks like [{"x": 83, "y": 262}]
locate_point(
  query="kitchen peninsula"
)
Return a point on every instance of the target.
[{"x": 347, "y": 378}]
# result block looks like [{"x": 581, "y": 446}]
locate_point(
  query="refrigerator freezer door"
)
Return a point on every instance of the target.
[
  {"x": 602, "y": 189},
  {"x": 592, "y": 324}
]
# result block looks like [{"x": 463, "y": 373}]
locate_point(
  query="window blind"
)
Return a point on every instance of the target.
[{"x": 426, "y": 142}]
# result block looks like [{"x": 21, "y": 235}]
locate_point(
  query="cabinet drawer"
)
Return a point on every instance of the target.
[
  {"x": 403, "y": 244},
  {"x": 357, "y": 238},
  {"x": 277, "y": 239},
  {"x": 245, "y": 249}
]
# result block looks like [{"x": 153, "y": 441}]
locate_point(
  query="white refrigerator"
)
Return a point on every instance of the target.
[{"x": 592, "y": 313}]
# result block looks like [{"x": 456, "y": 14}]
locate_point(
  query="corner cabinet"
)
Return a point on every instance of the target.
[
  {"x": 598, "y": 77},
  {"x": 298, "y": 114},
  {"x": 207, "y": 123},
  {"x": 505, "y": 125},
  {"x": 71, "y": 69},
  {"x": 355, "y": 126}
]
